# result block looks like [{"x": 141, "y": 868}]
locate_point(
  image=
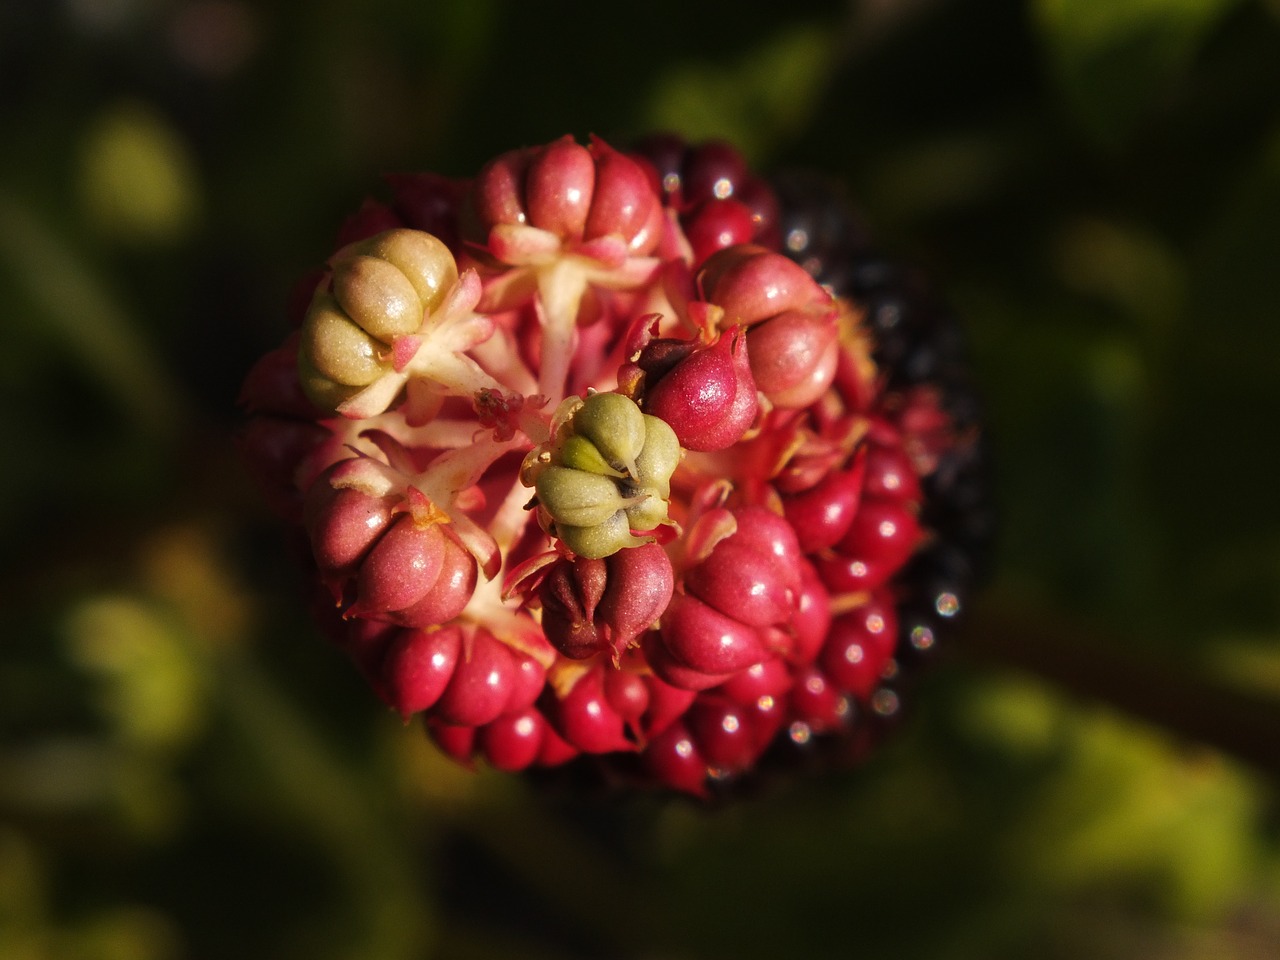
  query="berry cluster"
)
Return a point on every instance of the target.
[{"x": 630, "y": 459}]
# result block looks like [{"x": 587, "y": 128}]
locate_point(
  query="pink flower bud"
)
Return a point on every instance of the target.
[
  {"x": 822, "y": 514},
  {"x": 752, "y": 284},
  {"x": 666, "y": 703},
  {"x": 558, "y": 187},
  {"x": 812, "y": 619},
  {"x": 742, "y": 582},
  {"x": 528, "y": 679},
  {"x": 578, "y": 194},
  {"x": 457, "y": 741},
  {"x": 400, "y": 569},
  {"x": 624, "y": 202},
  {"x": 555, "y": 749},
  {"x": 627, "y": 693},
  {"x": 344, "y": 524},
  {"x": 793, "y": 357},
  {"x": 451, "y": 591},
  {"x": 890, "y": 474},
  {"x": 881, "y": 538},
  {"x": 771, "y": 534},
  {"x": 717, "y": 224},
  {"x": 671, "y": 671},
  {"x": 768, "y": 678},
  {"x": 714, "y": 169}
]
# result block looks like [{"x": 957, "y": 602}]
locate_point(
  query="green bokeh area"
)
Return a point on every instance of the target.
[{"x": 1089, "y": 771}]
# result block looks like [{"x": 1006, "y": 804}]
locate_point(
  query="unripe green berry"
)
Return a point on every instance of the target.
[
  {"x": 601, "y": 540},
  {"x": 337, "y": 348},
  {"x": 578, "y": 498},
  {"x": 607, "y": 473},
  {"x": 615, "y": 425},
  {"x": 581, "y": 454},
  {"x": 377, "y": 296},
  {"x": 649, "y": 512},
  {"x": 423, "y": 259},
  {"x": 320, "y": 390},
  {"x": 658, "y": 458}
]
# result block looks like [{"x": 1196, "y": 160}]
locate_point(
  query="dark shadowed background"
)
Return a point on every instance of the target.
[{"x": 187, "y": 771}]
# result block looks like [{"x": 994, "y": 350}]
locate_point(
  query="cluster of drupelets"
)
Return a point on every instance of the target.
[{"x": 591, "y": 464}]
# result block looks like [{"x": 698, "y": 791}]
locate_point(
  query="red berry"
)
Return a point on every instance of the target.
[
  {"x": 822, "y": 514},
  {"x": 675, "y": 761},
  {"x": 708, "y": 641},
  {"x": 586, "y": 718},
  {"x": 482, "y": 682},
  {"x": 418, "y": 666},
  {"x": 859, "y": 646},
  {"x": 708, "y": 397},
  {"x": 513, "y": 741},
  {"x": 716, "y": 224},
  {"x": 816, "y": 702},
  {"x": 723, "y": 732}
]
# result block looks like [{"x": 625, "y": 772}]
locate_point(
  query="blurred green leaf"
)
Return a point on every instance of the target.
[
  {"x": 770, "y": 92},
  {"x": 75, "y": 307},
  {"x": 1114, "y": 60},
  {"x": 137, "y": 177},
  {"x": 149, "y": 684}
]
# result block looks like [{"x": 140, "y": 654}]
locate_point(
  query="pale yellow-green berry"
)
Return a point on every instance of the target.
[
  {"x": 377, "y": 296},
  {"x": 337, "y": 348},
  {"x": 421, "y": 257},
  {"x": 578, "y": 498},
  {"x": 320, "y": 390}
]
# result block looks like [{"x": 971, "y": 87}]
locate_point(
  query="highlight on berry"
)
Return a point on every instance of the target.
[{"x": 626, "y": 462}]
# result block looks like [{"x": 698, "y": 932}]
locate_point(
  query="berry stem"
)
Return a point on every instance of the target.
[{"x": 560, "y": 290}]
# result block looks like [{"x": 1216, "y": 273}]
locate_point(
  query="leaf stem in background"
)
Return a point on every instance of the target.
[
  {"x": 92, "y": 325},
  {"x": 1177, "y": 695}
]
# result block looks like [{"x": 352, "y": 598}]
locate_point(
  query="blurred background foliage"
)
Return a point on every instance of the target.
[{"x": 187, "y": 772}]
